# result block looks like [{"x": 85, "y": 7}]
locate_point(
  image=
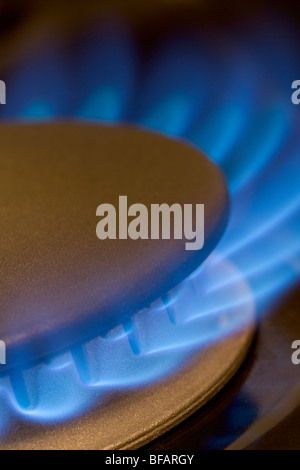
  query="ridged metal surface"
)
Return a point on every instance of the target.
[{"x": 127, "y": 416}]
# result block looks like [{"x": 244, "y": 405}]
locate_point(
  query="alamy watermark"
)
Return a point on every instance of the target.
[
  {"x": 296, "y": 93},
  {"x": 296, "y": 353},
  {"x": 2, "y": 353},
  {"x": 2, "y": 92},
  {"x": 136, "y": 222}
]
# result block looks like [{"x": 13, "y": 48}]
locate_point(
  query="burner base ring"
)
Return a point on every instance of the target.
[{"x": 127, "y": 420}]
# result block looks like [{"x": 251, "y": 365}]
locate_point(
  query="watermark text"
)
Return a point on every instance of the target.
[
  {"x": 2, "y": 92},
  {"x": 296, "y": 354},
  {"x": 296, "y": 93},
  {"x": 160, "y": 222},
  {"x": 2, "y": 353}
]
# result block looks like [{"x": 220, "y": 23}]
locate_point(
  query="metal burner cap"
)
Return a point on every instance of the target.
[{"x": 59, "y": 283}]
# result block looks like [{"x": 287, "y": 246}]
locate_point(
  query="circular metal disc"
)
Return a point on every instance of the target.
[{"x": 60, "y": 284}]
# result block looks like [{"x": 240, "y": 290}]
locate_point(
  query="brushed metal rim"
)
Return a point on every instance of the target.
[{"x": 127, "y": 420}]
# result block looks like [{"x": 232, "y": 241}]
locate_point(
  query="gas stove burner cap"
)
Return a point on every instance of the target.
[{"x": 60, "y": 284}]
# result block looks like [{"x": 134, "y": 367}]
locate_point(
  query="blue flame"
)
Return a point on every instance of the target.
[
  {"x": 38, "y": 85},
  {"x": 173, "y": 89},
  {"x": 105, "y": 78},
  {"x": 227, "y": 95}
]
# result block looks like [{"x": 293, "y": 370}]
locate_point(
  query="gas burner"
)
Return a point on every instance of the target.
[
  {"x": 143, "y": 371},
  {"x": 188, "y": 350}
]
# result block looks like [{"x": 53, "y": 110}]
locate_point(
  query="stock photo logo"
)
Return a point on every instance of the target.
[
  {"x": 296, "y": 353},
  {"x": 2, "y": 92},
  {"x": 2, "y": 353},
  {"x": 296, "y": 93},
  {"x": 160, "y": 222}
]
